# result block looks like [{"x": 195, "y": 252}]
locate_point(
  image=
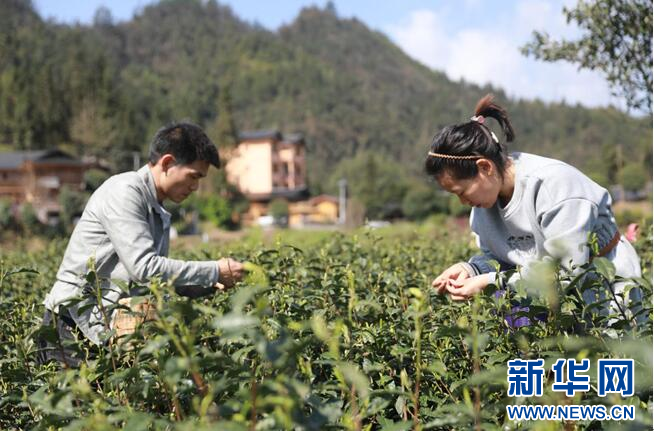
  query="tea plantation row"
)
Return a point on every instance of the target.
[{"x": 340, "y": 333}]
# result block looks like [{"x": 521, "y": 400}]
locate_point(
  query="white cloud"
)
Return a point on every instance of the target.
[
  {"x": 421, "y": 36},
  {"x": 481, "y": 57},
  {"x": 537, "y": 15},
  {"x": 490, "y": 53}
]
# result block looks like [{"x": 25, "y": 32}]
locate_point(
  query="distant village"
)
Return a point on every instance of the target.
[{"x": 265, "y": 166}]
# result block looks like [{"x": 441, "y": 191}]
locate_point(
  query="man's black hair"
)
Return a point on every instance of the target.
[{"x": 187, "y": 142}]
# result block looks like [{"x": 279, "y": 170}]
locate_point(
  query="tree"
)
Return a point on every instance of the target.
[
  {"x": 103, "y": 17},
  {"x": 378, "y": 182},
  {"x": 5, "y": 214},
  {"x": 223, "y": 130},
  {"x": 634, "y": 177},
  {"x": 279, "y": 211},
  {"x": 422, "y": 201},
  {"x": 92, "y": 130},
  {"x": 331, "y": 8},
  {"x": 105, "y": 89},
  {"x": 211, "y": 208},
  {"x": 72, "y": 205},
  {"x": 28, "y": 219},
  {"x": 93, "y": 178},
  {"x": 617, "y": 40}
]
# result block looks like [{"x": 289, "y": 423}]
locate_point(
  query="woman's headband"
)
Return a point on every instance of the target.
[{"x": 448, "y": 156}]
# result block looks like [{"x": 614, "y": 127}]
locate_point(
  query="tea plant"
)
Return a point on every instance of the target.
[{"x": 344, "y": 333}]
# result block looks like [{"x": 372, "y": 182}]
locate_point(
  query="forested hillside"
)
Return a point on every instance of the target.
[{"x": 103, "y": 89}]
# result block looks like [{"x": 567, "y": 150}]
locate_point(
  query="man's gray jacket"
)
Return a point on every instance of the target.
[{"x": 126, "y": 231}]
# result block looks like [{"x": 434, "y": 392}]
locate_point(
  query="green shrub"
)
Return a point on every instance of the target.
[
  {"x": 6, "y": 217},
  {"x": 29, "y": 221},
  {"x": 376, "y": 181},
  {"x": 343, "y": 333},
  {"x": 633, "y": 215},
  {"x": 72, "y": 205},
  {"x": 93, "y": 178},
  {"x": 634, "y": 176},
  {"x": 211, "y": 208},
  {"x": 423, "y": 201}
]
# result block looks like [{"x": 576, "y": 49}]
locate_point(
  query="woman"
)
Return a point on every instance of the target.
[{"x": 525, "y": 207}]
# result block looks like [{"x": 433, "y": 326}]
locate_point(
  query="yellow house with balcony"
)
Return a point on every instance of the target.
[{"x": 267, "y": 165}]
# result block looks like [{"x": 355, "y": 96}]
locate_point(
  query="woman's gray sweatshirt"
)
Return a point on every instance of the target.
[{"x": 553, "y": 210}]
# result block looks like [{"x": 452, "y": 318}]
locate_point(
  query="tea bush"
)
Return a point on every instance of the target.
[{"x": 342, "y": 333}]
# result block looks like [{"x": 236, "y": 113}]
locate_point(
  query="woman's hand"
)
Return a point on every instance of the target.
[
  {"x": 462, "y": 290},
  {"x": 454, "y": 272}
]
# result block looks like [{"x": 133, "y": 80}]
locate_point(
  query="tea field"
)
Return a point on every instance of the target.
[{"x": 339, "y": 331}]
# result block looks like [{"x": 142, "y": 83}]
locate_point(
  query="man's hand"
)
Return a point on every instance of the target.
[
  {"x": 462, "y": 290},
  {"x": 454, "y": 272},
  {"x": 229, "y": 272}
]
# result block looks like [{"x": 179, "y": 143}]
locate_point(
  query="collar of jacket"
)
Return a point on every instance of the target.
[{"x": 148, "y": 179}]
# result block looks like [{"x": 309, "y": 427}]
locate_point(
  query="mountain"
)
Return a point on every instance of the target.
[{"x": 105, "y": 88}]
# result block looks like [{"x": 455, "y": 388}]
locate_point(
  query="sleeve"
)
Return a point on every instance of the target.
[
  {"x": 124, "y": 217},
  {"x": 566, "y": 227},
  {"x": 482, "y": 263}
]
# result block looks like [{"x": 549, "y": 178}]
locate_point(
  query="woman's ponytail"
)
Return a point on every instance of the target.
[{"x": 487, "y": 108}]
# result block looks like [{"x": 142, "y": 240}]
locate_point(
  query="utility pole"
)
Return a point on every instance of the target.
[
  {"x": 342, "y": 201},
  {"x": 621, "y": 172},
  {"x": 136, "y": 160}
]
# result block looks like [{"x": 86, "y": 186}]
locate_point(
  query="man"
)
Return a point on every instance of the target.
[{"x": 125, "y": 230}]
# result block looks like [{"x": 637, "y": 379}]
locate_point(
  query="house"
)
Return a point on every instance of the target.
[
  {"x": 267, "y": 165},
  {"x": 36, "y": 177},
  {"x": 325, "y": 209},
  {"x": 322, "y": 209}
]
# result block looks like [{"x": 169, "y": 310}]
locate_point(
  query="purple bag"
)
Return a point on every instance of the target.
[{"x": 513, "y": 319}]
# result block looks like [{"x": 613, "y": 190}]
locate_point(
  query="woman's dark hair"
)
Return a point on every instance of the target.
[
  {"x": 187, "y": 142},
  {"x": 472, "y": 138}
]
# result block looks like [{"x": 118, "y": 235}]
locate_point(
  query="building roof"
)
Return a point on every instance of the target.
[
  {"x": 14, "y": 160},
  {"x": 259, "y": 135},
  {"x": 271, "y": 135},
  {"x": 323, "y": 198},
  {"x": 294, "y": 138},
  {"x": 292, "y": 195}
]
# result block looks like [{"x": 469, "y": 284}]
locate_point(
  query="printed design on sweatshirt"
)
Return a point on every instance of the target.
[{"x": 523, "y": 245}]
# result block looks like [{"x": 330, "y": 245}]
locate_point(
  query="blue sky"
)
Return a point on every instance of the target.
[{"x": 474, "y": 40}]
